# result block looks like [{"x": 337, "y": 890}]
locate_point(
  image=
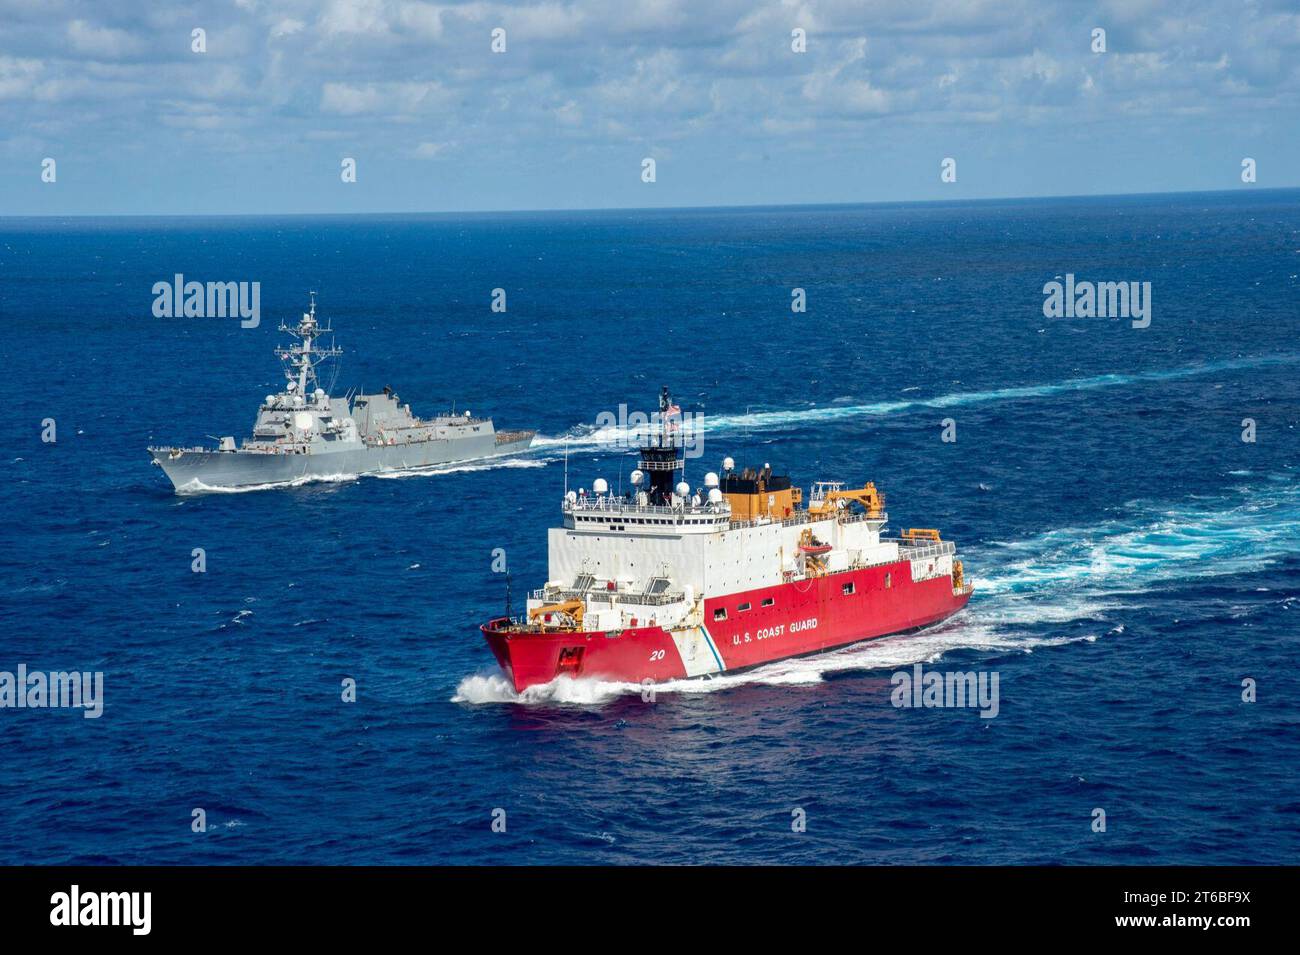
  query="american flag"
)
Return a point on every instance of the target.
[{"x": 670, "y": 413}]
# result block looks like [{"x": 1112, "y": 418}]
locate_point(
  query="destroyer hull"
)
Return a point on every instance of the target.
[
  {"x": 217, "y": 470},
  {"x": 787, "y": 620}
]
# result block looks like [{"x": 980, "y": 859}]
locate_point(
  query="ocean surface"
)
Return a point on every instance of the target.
[{"x": 1134, "y": 559}]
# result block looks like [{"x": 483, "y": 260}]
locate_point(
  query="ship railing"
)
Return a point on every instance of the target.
[
  {"x": 617, "y": 505},
  {"x": 803, "y": 517},
  {"x": 913, "y": 550},
  {"x": 609, "y": 596}
]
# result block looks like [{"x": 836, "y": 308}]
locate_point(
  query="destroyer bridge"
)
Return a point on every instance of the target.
[{"x": 302, "y": 432}]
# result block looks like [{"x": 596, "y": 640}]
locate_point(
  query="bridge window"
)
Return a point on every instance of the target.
[
  {"x": 743, "y": 607},
  {"x": 889, "y": 581},
  {"x": 720, "y": 613},
  {"x": 847, "y": 589},
  {"x": 768, "y": 601}
]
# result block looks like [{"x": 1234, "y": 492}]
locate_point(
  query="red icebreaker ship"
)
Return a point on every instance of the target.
[{"x": 667, "y": 583}]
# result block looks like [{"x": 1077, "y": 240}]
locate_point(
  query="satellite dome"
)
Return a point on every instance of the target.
[
  {"x": 467, "y": 414},
  {"x": 270, "y": 400},
  {"x": 637, "y": 477},
  {"x": 683, "y": 489},
  {"x": 319, "y": 393},
  {"x": 715, "y": 496},
  {"x": 572, "y": 496},
  {"x": 728, "y": 464},
  {"x": 600, "y": 486},
  {"x": 302, "y": 421},
  {"x": 710, "y": 480}
]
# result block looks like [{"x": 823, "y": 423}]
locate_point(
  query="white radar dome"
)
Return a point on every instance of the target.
[
  {"x": 710, "y": 480},
  {"x": 302, "y": 421},
  {"x": 572, "y": 496},
  {"x": 728, "y": 464},
  {"x": 683, "y": 489},
  {"x": 319, "y": 393},
  {"x": 600, "y": 486},
  {"x": 637, "y": 477},
  {"x": 270, "y": 399},
  {"x": 715, "y": 496}
]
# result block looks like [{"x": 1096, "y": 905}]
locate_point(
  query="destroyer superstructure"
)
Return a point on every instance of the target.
[
  {"x": 303, "y": 433},
  {"x": 668, "y": 581}
]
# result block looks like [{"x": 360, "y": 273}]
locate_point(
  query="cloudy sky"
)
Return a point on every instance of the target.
[{"x": 711, "y": 89}]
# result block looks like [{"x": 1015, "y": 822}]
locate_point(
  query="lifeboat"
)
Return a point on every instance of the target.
[{"x": 811, "y": 546}]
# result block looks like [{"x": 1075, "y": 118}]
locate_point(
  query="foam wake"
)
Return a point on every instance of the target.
[
  {"x": 590, "y": 436},
  {"x": 196, "y": 486},
  {"x": 1059, "y": 587}
]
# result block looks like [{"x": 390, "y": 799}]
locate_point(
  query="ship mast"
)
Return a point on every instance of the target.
[
  {"x": 300, "y": 359},
  {"x": 660, "y": 457}
]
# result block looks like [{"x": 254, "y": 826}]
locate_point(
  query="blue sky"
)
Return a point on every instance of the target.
[{"x": 138, "y": 123}]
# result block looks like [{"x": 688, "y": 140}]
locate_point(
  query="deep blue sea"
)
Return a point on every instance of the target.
[{"x": 1134, "y": 559}]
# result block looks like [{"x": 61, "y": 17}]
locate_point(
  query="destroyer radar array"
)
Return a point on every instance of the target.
[
  {"x": 303, "y": 433},
  {"x": 669, "y": 582}
]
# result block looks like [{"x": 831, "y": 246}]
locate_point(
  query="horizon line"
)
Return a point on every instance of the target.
[{"x": 695, "y": 208}]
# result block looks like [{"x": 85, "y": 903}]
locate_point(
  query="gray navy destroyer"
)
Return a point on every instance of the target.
[{"x": 302, "y": 433}]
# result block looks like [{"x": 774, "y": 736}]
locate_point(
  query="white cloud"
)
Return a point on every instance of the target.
[{"x": 99, "y": 41}]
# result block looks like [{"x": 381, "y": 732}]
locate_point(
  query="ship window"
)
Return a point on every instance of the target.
[
  {"x": 889, "y": 581},
  {"x": 847, "y": 589},
  {"x": 743, "y": 607},
  {"x": 720, "y": 613},
  {"x": 768, "y": 601}
]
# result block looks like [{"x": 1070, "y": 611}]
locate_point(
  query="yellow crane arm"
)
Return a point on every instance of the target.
[
  {"x": 872, "y": 501},
  {"x": 572, "y": 608}
]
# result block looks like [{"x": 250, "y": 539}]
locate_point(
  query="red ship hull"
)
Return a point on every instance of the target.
[{"x": 788, "y": 620}]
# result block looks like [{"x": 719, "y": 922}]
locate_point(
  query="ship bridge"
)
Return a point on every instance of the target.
[{"x": 610, "y": 513}]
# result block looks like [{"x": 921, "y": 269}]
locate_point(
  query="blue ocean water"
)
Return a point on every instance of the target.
[{"x": 1135, "y": 560}]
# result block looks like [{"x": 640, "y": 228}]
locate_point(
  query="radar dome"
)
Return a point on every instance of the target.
[
  {"x": 319, "y": 393},
  {"x": 715, "y": 496},
  {"x": 683, "y": 489},
  {"x": 270, "y": 400},
  {"x": 572, "y": 496},
  {"x": 302, "y": 421},
  {"x": 710, "y": 480},
  {"x": 600, "y": 486},
  {"x": 728, "y": 464},
  {"x": 637, "y": 477}
]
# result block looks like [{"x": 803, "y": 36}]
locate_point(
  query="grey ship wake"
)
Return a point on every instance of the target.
[{"x": 302, "y": 433}]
